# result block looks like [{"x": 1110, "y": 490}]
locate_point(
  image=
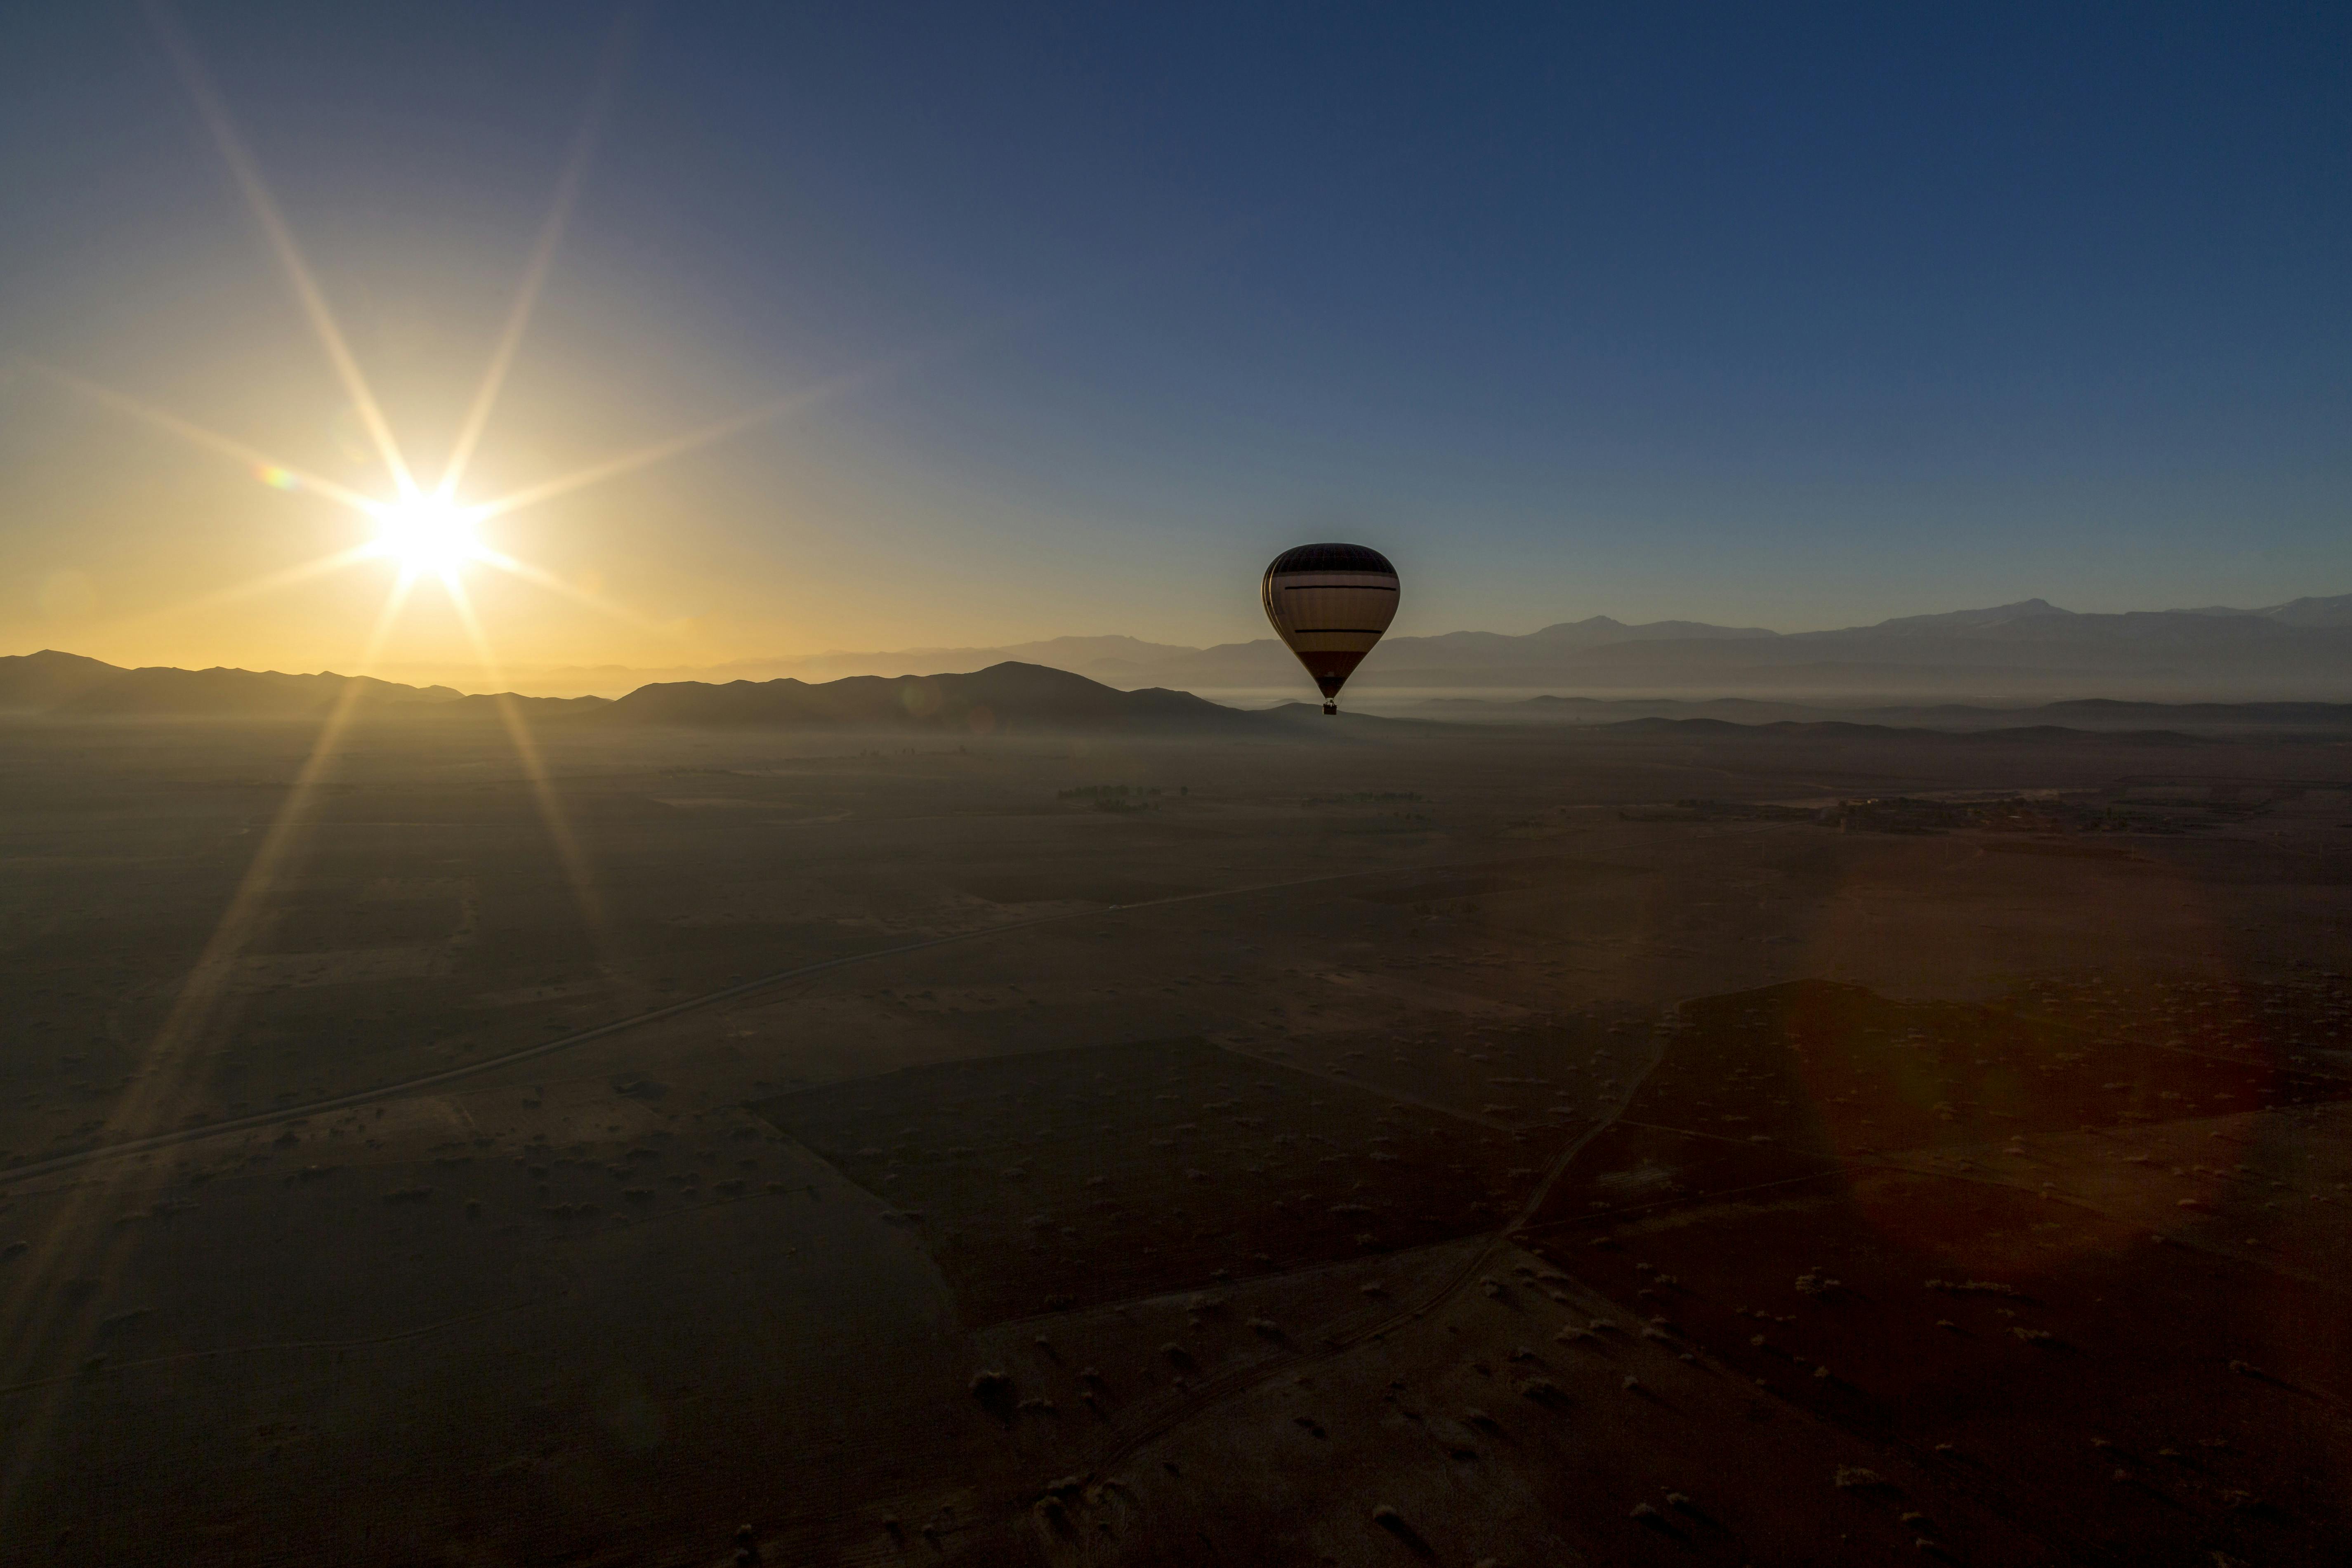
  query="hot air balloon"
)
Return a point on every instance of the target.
[{"x": 1329, "y": 603}]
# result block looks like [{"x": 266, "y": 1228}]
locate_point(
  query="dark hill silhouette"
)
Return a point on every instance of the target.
[
  {"x": 69, "y": 686},
  {"x": 493, "y": 709},
  {"x": 163, "y": 692},
  {"x": 1005, "y": 698},
  {"x": 40, "y": 682},
  {"x": 1941, "y": 667}
]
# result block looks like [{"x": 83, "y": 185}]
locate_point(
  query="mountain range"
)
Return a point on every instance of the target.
[
  {"x": 2032, "y": 651},
  {"x": 1005, "y": 697},
  {"x": 2011, "y": 653},
  {"x": 70, "y": 685},
  {"x": 1019, "y": 698}
]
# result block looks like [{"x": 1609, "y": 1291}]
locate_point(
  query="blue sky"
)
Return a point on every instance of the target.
[{"x": 1782, "y": 315}]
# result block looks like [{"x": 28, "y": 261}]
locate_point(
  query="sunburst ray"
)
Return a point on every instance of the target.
[
  {"x": 45, "y": 1325},
  {"x": 540, "y": 577},
  {"x": 552, "y": 813},
  {"x": 707, "y": 435},
  {"x": 262, "y": 463},
  {"x": 659, "y": 451},
  {"x": 535, "y": 270},
  {"x": 246, "y": 172}
]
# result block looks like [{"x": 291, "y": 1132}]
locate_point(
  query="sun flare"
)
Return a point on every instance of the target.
[
  {"x": 427, "y": 533},
  {"x": 421, "y": 529}
]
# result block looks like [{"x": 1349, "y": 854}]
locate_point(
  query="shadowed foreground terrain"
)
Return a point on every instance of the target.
[{"x": 1425, "y": 1144}]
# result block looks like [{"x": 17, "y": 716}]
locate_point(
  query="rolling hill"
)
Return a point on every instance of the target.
[
  {"x": 57, "y": 685},
  {"x": 1009, "y": 696},
  {"x": 1005, "y": 697}
]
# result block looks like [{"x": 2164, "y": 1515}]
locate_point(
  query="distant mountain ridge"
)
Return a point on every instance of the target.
[
  {"x": 2336, "y": 611},
  {"x": 69, "y": 686},
  {"x": 2029, "y": 650},
  {"x": 1007, "y": 697},
  {"x": 1012, "y": 698}
]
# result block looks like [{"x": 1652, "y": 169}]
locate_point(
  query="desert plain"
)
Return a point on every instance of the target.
[{"x": 1357, "y": 1141}]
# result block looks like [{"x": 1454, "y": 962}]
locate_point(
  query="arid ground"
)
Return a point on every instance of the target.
[{"x": 1401, "y": 1143}]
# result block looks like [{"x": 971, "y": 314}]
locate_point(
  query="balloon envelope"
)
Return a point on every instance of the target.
[{"x": 1329, "y": 603}]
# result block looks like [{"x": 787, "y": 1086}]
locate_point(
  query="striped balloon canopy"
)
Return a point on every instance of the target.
[{"x": 1329, "y": 603}]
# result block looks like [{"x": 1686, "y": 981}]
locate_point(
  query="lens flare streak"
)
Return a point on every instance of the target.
[
  {"x": 552, "y": 813},
  {"x": 535, "y": 271},
  {"x": 264, "y": 467},
  {"x": 48, "y": 1325},
  {"x": 246, "y": 172}
]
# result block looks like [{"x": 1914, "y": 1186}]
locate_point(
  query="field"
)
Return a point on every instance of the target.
[{"x": 1396, "y": 1143}]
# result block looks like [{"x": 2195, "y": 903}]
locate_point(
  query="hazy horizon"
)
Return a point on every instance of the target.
[
  {"x": 986, "y": 351},
  {"x": 468, "y": 675}
]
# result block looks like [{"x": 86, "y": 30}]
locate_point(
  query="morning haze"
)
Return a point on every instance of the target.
[{"x": 1260, "y": 784}]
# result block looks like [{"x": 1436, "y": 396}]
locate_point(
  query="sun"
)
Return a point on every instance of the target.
[{"x": 427, "y": 534}]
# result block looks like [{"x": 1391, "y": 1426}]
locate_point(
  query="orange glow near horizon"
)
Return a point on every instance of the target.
[
  {"x": 420, "y": 527},
  {"x": 412, "y": 516}
]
